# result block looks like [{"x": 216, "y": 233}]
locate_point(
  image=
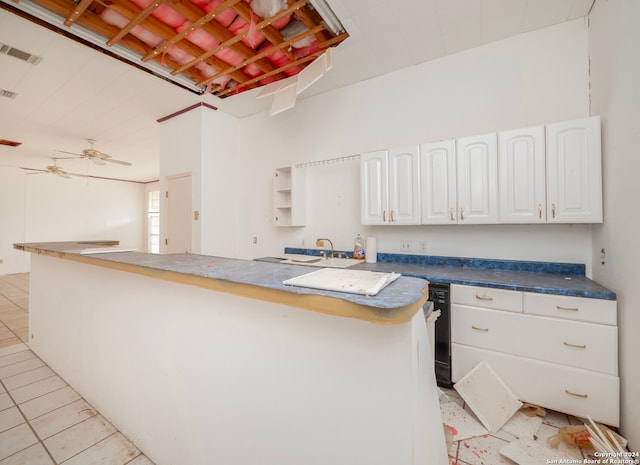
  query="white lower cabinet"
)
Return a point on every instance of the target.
[
  {"x": 545, "y": 356},
  {"x": 558, "y": 387}
]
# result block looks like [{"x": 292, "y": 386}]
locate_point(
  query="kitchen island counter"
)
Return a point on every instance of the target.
[
  {"x": 397, "y": 303},
  {"x": 201, "y": 360}
]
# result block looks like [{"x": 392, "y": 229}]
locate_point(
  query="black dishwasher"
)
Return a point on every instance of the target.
[{"x": 439, "y": 295}]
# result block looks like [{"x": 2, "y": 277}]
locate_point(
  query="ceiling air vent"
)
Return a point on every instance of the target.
[
  {"x": 10, "y": 143},
  {"x": 7, "y": 93},
  {"x": 17, "y": 53}
]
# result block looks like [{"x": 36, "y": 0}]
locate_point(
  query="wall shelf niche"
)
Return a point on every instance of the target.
[{"x": 289, "y": 196}]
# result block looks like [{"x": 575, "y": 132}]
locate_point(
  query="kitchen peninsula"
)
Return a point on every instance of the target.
[{"x": 215, "y": 360}]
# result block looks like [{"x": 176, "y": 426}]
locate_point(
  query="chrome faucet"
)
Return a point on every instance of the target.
[{"x": 320, "y": 243}]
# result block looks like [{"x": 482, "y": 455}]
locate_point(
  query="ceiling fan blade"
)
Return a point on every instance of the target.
[
  {"x": 70, "y": 153},
  {"x": 32, "y": 169},
  {"x": 98, "y": 161},
  {"x": 117, "y": 162}
]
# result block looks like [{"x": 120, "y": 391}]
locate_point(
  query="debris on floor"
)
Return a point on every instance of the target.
[
  {"x": 488, "y": 425},
  {"x": 525, "y": 451},
  {"x": 488, "y": 396},
  {"x": 460, "y": 423}
]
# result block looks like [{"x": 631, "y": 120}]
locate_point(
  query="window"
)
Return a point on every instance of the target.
[{"x": 153, "y": 221}]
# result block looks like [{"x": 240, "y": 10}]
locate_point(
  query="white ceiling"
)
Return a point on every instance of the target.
[{"x": 57, "y": 106}]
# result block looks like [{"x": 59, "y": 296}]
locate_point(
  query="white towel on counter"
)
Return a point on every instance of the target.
[{"x": 341, "y": 280}]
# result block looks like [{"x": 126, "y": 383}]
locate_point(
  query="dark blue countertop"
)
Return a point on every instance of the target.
[
  {"x": 542, "y": 277},
  {"x": 403, "y": 292}
]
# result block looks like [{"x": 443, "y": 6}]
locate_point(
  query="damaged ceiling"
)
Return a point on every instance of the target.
[
  {"x": 221, "y": 47},
  {"x": 61, "y": 86}
]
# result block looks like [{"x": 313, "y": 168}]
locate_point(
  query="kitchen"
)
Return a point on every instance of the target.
[{"x": 545, "y": 72}]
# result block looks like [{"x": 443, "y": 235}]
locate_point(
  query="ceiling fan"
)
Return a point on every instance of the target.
[
  {"x": 54, "y": 169},
  {"x": 98, "y": 157}
]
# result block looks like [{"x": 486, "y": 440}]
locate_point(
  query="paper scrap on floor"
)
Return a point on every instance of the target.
[
  {"x": 352, "y": 281},
  {"x": 529, "y": 452},
  {"x": 461, "y": 423},
  {"x": 522, "y": 425},
  {"x": 488, "y": 396}
]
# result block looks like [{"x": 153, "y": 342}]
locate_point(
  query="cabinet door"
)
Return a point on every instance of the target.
[
  {"x": 521, "y": 163},
  {"x": 374, "y": 188},
  {"x": 404, "y": 186},
  {"x": 477, "y": 164},
  {"x": 438, "y": 182},
  {"x": 574, "y": 171}
]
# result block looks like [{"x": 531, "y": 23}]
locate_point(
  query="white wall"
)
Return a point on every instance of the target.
[
  {"x": 44, "y": 208},
  {"x": 203, "y": 143},
  {"x": 533, "y": 78},
  {"x": 615, "y": 68},
  {"x": 180, "y": 147},
  {"x": 12, "y": 214}
]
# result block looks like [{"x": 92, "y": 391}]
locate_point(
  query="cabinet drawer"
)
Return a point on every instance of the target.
[
  {"x": 569, "y": 390},
  {"x": 573, "y": 343},
  {"x": 487, "y": 297},
  {"x": 571, "y": 308}
]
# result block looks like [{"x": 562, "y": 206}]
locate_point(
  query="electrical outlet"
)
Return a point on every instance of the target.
[
  {"x": 255, "y": 239},
  {"x": 422, "y": 246},
  {"x": 405, "y": 245}
]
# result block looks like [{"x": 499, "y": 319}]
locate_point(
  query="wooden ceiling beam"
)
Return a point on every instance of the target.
[
  {"x": 311, "y": 18},
  {"x": 299, "y": 62},
  {"x": 292, "y": 8},
  {"x": 199, "y": 23},
  {"x": 163, "y": 30},
  {"x": 135, "y": 21},
  {"x": 271, "y": 33},
  {"x": 217, "y": 30},
  {"x": 77, "y": 11},
  {"x": 263, "y": 54}
]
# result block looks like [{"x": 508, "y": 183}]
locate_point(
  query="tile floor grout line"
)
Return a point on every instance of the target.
[
  {"x": 28, "y": 423},
  {"x": 86, "y": 448}
]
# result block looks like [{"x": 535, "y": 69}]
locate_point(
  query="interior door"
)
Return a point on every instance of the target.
[{"x": 178, "y": 238}]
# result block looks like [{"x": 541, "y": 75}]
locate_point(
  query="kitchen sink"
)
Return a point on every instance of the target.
[{"x": 311, "y": 260}]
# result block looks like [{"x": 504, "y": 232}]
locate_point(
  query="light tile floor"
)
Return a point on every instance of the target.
[{"x": 43, "y": 421}]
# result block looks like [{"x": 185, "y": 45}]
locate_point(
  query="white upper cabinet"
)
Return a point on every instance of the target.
[
  {"x": 390, "y": 183},
  {"x": 574, "y": 171},
  {"x": 374, "y": 191},
  {"x": 404, "y": 185},
  {"x": 521, "y": 163},
  {"x": 477, "y": 167},
  {"x": 438, "y": 182}
]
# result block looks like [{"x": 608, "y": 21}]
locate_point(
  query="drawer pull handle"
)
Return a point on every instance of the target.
[
  {"x": 582, "y": 396},
  {"x": 477, "y": 328},
  {"x": 570, "y": 309},
  {"x": 483, "y": 297},
  {"x": 577, "y": 346}
]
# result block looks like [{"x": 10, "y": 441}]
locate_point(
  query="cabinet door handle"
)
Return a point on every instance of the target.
[
  {"x": 452, "y": 213},
  {"x": 461, "y": 214},
  {"x": 391, "y": 216},
  {"x": 568, "y": 309},
  {"x": 540, "y": 211},
  {"x": 477, "y": 328},
  {"x": 570, "y": 393},
  {"x": 553, "y": 210},
  {"x": 577, "y": 346},
  {"x": 485, "y": 297},
  {"x": 384, "y": 216}
]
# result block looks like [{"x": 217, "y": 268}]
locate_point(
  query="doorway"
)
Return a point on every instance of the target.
[{"x": 178, "y": 199}]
